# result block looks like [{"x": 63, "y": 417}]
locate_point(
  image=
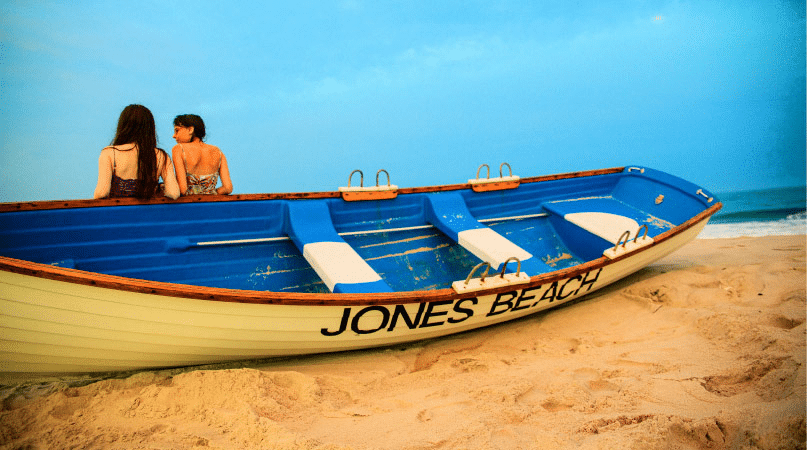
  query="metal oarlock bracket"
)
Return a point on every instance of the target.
[
  {"x": 501, "y": 175},
  {"x": 628, "y": 245},
  {"x": 361, "y": 180},
  {"x": 504, "y": 266},
  {"x": 480, "y": 169},
  {"x": 626, "y": 236},
  {"x": 377, "y": 192},
  {"x": 494, "y": 184},
  {"x": 379, "y": 173},
  {"x": 485, "y": 282},
  {"x": 484, "y": 274},
  {"x": 639, "y": 230}
]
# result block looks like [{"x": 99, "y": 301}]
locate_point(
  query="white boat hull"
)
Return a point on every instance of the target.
[{"x": 54, "y": 326}]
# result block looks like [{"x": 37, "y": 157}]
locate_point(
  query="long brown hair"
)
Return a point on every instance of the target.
[{"x": 136, "y": 125}]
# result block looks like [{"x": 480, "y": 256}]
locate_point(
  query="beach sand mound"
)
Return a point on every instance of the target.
[{"x": 703, "y": 350}]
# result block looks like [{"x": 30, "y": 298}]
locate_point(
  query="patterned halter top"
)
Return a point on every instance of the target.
[{"x": 201, "y": 184}]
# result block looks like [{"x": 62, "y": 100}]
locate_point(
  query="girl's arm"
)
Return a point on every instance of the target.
[
  {"x": 170, "y": 179},
  {"x": 104, "y": 174},
  {"x": 224, "y": 174},
  {"x": 179, "y": 168}
]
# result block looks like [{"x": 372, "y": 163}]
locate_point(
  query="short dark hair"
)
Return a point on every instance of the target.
[{"x": 191, "y": 120}]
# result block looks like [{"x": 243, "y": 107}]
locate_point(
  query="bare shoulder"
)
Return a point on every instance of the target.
[
  {"x": 120, "y": 147},
  {"x": 107, "y": 152}
]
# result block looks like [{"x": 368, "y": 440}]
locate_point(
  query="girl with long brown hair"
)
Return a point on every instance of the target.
[{"x": 132, "y": 165}]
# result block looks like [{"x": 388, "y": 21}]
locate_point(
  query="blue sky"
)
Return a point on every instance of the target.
[{"x": 298, "y": 94}]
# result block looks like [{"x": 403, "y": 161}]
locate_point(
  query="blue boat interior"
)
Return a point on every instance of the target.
[{"x": 411, "y": 242}]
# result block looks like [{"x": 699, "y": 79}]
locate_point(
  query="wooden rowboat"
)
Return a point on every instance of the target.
[{"x": 122, "y": 284}]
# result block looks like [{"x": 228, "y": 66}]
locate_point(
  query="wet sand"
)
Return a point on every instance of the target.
[{"x": 702, "y": 350}]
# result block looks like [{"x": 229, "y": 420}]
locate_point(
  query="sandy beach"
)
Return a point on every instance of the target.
[{"x": 702, "y": 350}]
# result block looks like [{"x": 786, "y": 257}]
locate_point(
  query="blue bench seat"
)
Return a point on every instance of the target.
[
  {"x": 309, "y": 226},
  {"x": 449, "y": 213}
]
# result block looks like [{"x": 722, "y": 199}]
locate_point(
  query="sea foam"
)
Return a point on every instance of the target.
[{"x": 792, "y": 224}]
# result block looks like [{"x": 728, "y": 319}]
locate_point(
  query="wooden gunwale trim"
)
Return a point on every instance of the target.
[
  {"x": 106, "y": 202},
  {"x": 277, "y": 298},
  {"x": 128, "y": 201},
  {"x": 563, "y": 176}
]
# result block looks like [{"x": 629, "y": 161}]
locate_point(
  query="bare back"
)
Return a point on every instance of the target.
[
  {"x": 201, "y": 158},
  {"x": 199, "y": 167},
  {"x": 121, "y": 161}
]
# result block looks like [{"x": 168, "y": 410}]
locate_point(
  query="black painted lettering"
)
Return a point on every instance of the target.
[
  {"x": 550, "y": 293},
  {"x": 400, "y": 311},
  {"x": 507, "y": 303},
  {"x": 430, "y": 313},
  {"x": 587, "y": 282},
  {"x": 539, "y": 301},
  {"x": 384, "y": 319},
  {"x": 459, "y": 309},
  {"x": 560, "y": 292},
  {"x": 522, "y": 298},
  {"x": 342, "y": 325}
]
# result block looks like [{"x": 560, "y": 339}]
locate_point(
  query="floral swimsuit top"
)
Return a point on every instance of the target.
[
  {"x": 201, "y": 184},
  {"x": 122, "y": 187}
]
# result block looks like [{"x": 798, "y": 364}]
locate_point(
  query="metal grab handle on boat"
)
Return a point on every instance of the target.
[
  {"x": 482, "y": 279},
  {"x": 504, "y": 266},
  {"x": 480, "y": 168},
  {"x": 379, "y": 173},
  {"x": 630, "y": 169},
  {"x": 501, "y": 175},
  {"x": 708, "y": 199},
  {"x": 361, "y": 182},
  {"x": 625, "y": 235},
  {"x": 637, "y": 233}
]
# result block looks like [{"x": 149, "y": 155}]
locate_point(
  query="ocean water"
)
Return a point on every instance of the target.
[{"x": 767, "y": 212}]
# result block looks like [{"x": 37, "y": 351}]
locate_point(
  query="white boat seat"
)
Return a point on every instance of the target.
[
  {"x": 612, "y": 228},
  {"x": 449, "y": 213},
  {"x": 605, "y": 225},
  {"x": 343, "y": 270},
  {"x": 606, "y": 218}
]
